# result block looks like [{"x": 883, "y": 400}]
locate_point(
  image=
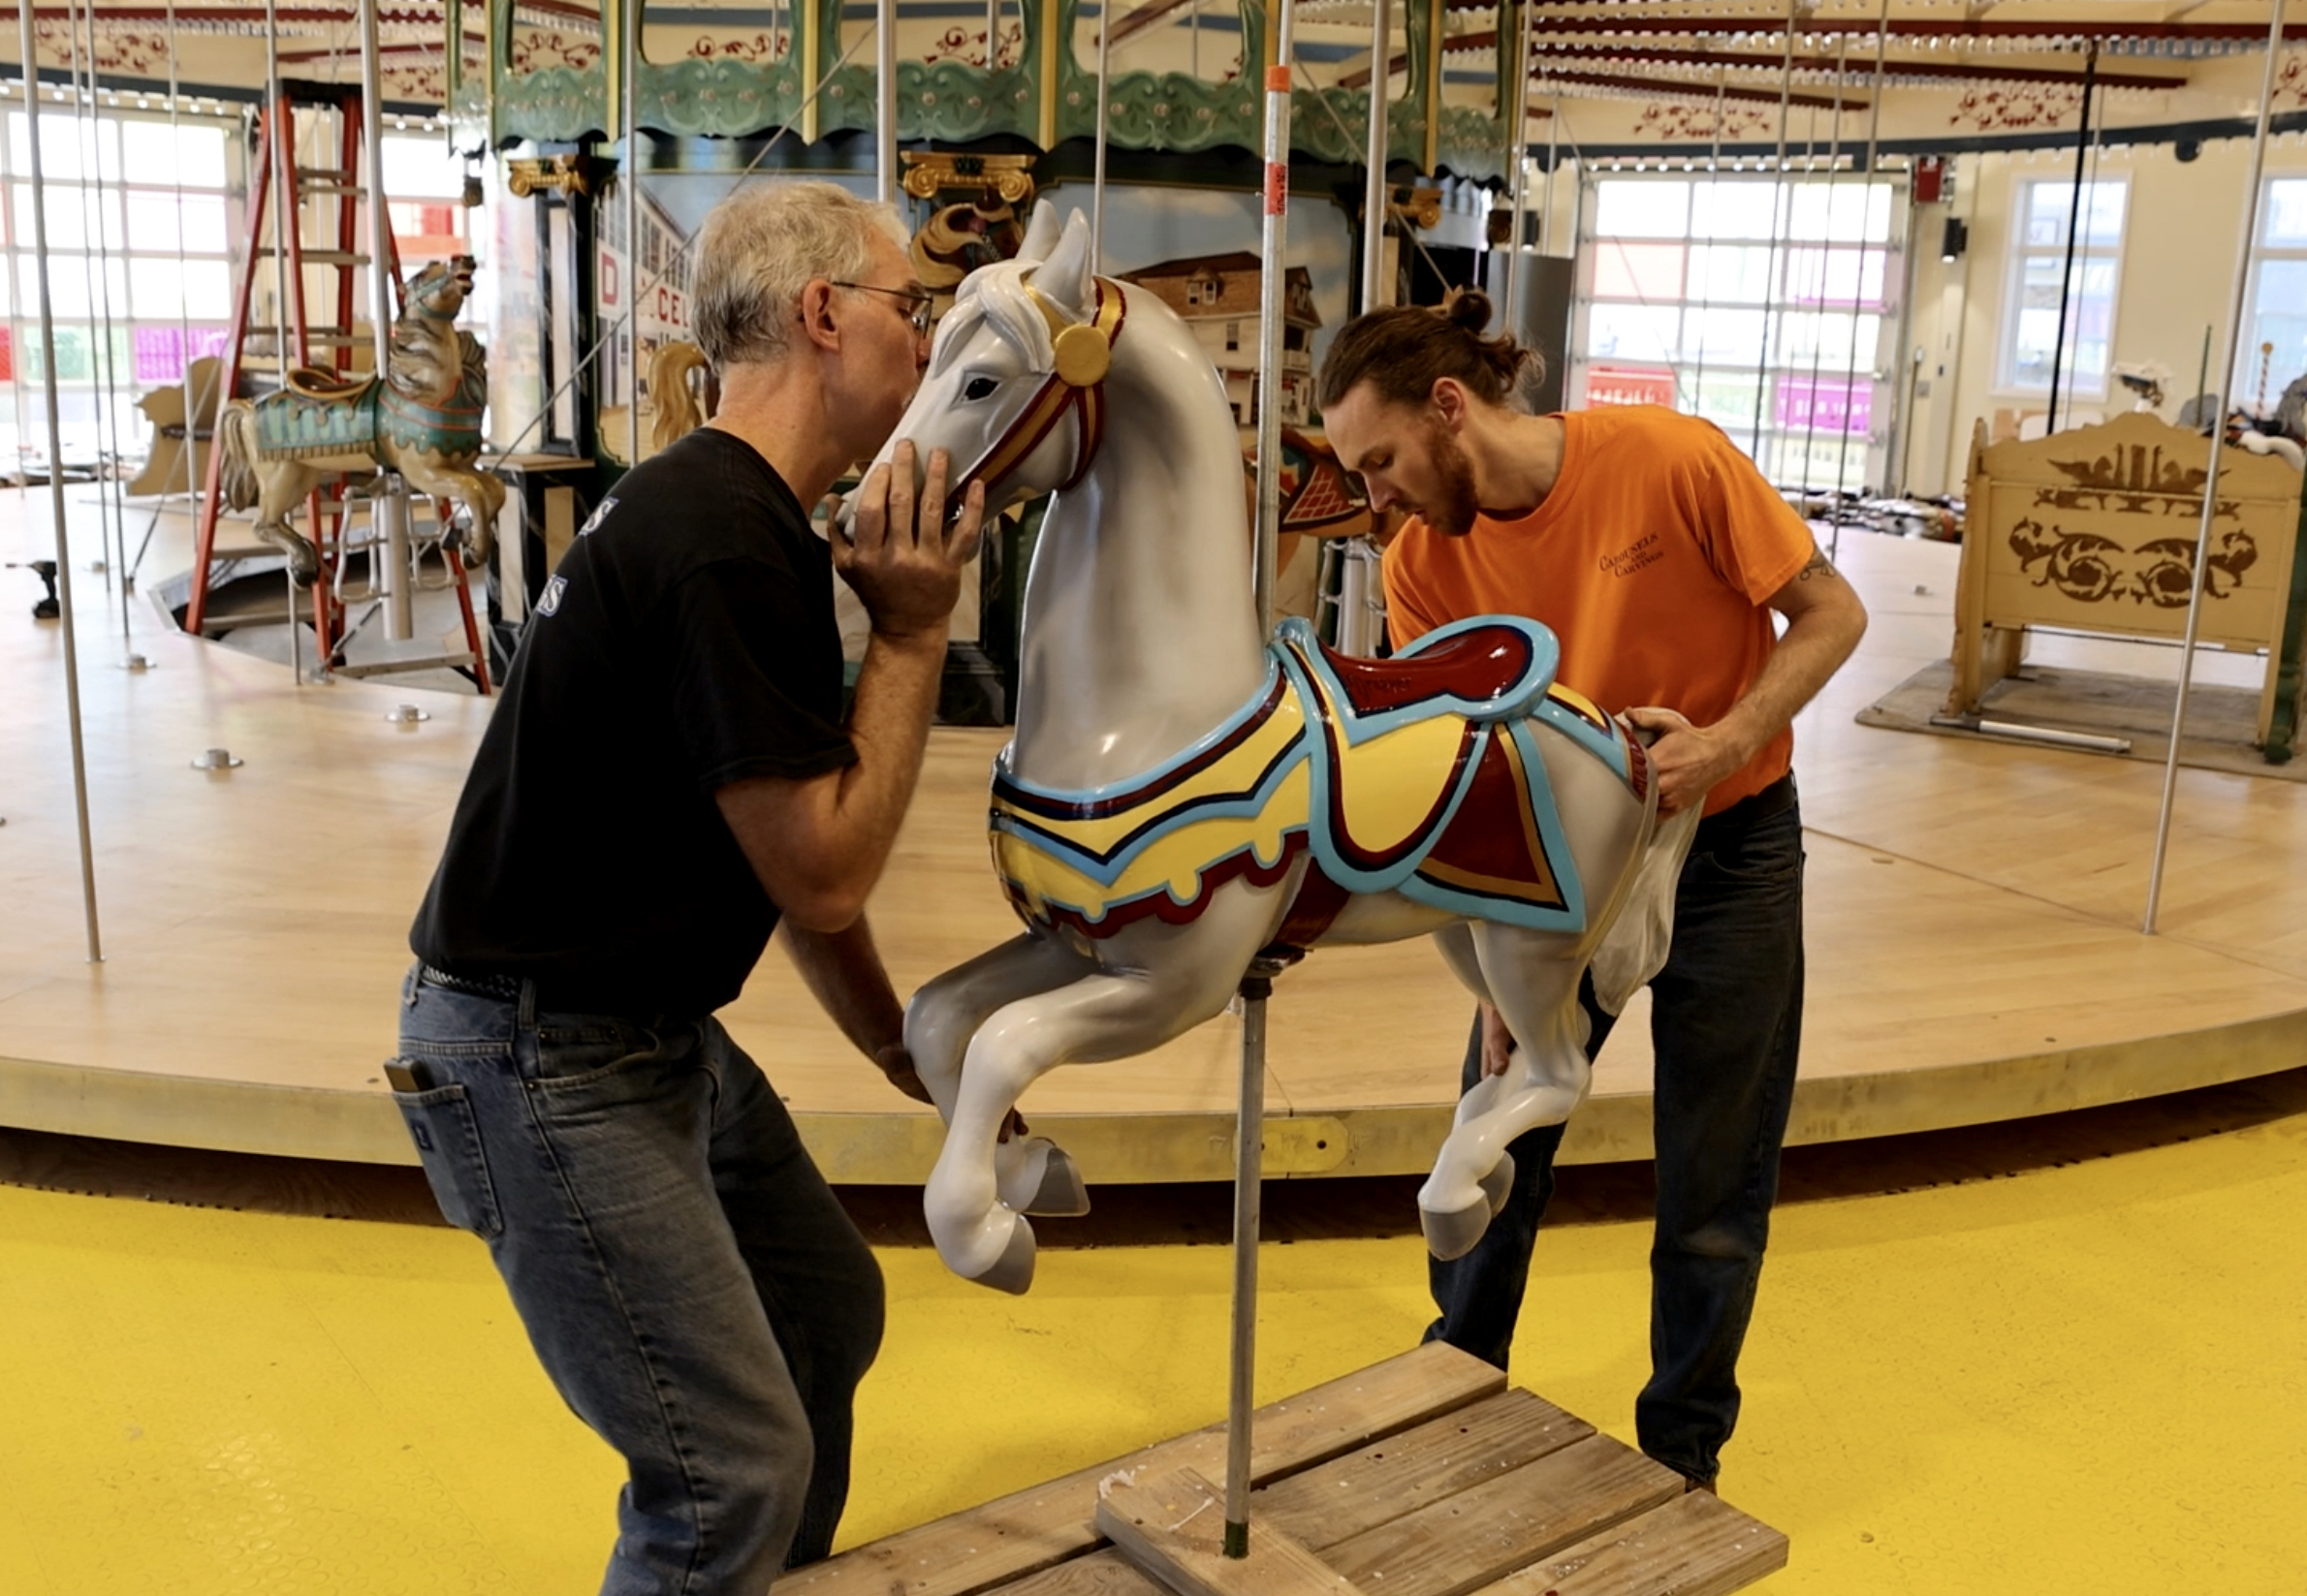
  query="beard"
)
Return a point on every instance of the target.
[{"x": 1454, "y": 508}]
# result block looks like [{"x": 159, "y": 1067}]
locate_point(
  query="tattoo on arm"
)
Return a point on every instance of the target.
[{"x": 1817, "y": 567}]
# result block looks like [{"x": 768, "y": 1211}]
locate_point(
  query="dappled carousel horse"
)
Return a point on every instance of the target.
[
  {"x": 1183, "y": 795},
  {"x": 423, "y": 419}
]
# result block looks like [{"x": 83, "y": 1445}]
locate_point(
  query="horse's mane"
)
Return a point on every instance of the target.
[{"x": 998, "y": 294}]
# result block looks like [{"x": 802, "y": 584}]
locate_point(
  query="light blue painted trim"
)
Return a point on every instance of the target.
[
  {"x": 1325, "y": 846},
  {"x": 1105, "y": 872},
  {"x": 1116, "y": 788},
  {"x": 1609, "y": 748},
  {"x": 1530, "y": 690}
]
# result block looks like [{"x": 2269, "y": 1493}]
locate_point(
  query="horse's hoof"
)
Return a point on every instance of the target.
[
  {"x": 1013, "y": 1270},
  {"x": 1499, "y": 1185},
  {"x": 1063, "y": 1194},
  {"x": 1451, "y": 1236},
  {"x": 303, "y": 560},
  {"x": 478, "y": 546}
]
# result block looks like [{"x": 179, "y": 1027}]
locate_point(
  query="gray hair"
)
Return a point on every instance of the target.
[{"x": 761, "y": 246}]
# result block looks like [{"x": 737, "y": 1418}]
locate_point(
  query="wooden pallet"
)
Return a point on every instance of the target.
[{"x": 1420, "y": 1476}]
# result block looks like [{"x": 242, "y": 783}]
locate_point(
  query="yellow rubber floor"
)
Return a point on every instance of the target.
[{"x": 2064, "y": 1373}]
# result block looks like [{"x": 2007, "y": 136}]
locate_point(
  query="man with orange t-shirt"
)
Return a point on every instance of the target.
[{"x": 1658, "y": 554}]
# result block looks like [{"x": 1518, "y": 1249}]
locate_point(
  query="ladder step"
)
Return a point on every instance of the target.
[
  {"x": 334, "y": 257},
  {"x": 324, "y": 174},
  {"x": 310, "y": 190}
]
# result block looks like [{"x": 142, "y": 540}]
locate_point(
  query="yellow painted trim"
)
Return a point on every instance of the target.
[
  {"x": 1050, "y": 11},
  {"x": 1436, "y": 15}
]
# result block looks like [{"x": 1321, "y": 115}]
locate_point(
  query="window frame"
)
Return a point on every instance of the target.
[
  {"x": 2007, "y": 384},
  {"x": 2265, "y": 253}
]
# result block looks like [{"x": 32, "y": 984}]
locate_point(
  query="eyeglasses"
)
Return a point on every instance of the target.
[{"x": 924, "y": 305}]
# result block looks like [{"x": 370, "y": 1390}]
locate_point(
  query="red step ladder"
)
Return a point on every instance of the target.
[{"x": 276, "y": 222}]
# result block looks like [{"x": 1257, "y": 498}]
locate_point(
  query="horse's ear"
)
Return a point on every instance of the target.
[
  {"x": 1066, "y": 275},
  {"x": 1041, "y": 232}
]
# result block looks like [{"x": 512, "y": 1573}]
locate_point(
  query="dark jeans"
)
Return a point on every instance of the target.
[
  {"x": 687, "y": 1278},
  {"x": 1726, "y": 1026}
]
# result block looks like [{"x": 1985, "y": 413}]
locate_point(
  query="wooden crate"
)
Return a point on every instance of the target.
[
  {"x": 1421, "y": 1476},
  {"x": 2094, "y": 530}
]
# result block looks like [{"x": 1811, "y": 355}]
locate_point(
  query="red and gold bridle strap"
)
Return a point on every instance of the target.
[{"x": 1084, "y": 353}]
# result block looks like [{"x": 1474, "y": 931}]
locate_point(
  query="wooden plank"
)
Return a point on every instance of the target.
[
  {"x": 1173, "y": 1525},
  {"x": 1694, "y": 1546},
  {"x": 1104, "y": 1572},
  {"x": 1405, "y": 1472},
  {"x": 1032, "y": 1529},
  {"x": 1467, "y": 1541}
]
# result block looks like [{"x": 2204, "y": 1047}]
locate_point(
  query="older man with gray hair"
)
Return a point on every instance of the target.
[{"x": 667, "y": 778}]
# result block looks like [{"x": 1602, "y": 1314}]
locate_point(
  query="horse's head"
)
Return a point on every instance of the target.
[
  {"x": 439, "y": 291},
  {"x": 1015, "y": 390}
]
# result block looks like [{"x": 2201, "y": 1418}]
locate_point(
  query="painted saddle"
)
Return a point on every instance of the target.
[{"x": 1415, "y": 775}]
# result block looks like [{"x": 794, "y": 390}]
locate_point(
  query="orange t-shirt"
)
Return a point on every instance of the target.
[{"x": 1650, "y": 559}]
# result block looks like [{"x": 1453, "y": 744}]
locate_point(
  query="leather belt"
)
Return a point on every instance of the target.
[{"x": 504, "y": 988}]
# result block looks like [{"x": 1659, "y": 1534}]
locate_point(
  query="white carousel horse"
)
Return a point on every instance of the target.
[
  {"x": 421, "y": 418},
  {"x": 1181, "y": 797}
]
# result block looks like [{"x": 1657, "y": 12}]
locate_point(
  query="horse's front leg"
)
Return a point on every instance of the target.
[
  {"x": 1154, "y": 982},
  {"x": 1033, "y": 1173},
  {"x": 1532, "y": 976}
]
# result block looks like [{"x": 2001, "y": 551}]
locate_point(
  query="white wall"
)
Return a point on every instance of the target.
[{"x": 2183, "y": 228}]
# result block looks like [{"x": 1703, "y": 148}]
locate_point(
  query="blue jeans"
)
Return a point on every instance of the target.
[
  {"x": 1725, "y": 1027},
  {"x": 687, "y": 1278}
]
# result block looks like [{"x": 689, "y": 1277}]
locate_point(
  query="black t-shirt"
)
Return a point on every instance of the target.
[{"x": 687, "y": 641}]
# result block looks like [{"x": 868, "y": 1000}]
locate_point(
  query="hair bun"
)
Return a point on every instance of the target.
[{"x": 1469, "y": 308}]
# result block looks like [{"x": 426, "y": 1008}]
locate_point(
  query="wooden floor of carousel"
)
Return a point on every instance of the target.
[
  {"x": 1972, "y": 929},
  {"x": 1974, "y": 958}
]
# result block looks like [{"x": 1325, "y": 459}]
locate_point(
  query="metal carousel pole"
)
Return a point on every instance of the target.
[
  {"x": 30, "y": 58},
  {"x": 885, "y": 101},
  {"x": 1515, "y": 113},
  {"x": 630, "y": 48},
  {"x": 1105, "y": 35},
  {"x": 1375, "y": 291},
  {"x": 1257, "y": 982},
  {"x": 2226, "y": 387}
]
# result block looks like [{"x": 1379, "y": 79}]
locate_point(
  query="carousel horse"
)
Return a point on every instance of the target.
[
  {"x": 1183, "y": 796},
  {"x": 421, "y": 418}
]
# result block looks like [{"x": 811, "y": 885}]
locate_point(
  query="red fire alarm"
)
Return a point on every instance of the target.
[{"x": 1930, "y": 177}]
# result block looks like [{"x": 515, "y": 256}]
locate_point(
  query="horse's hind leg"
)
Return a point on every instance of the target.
[
  {"x": 282, "y": 487},
  {"x": 1533, "y": 978},
  {"x": 1033, "y": 1173}
]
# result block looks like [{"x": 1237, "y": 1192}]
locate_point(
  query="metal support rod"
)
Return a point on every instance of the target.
[
  {"x": 631, "y": 45},
  {"x": 280, "y": 131},
  {"x": 388, "y": 507},
  {"x": 1249, "y": 1128},
  {"x": 1546, "y": 201},
  {"x": 1373, "y": 190},
  {"x": 2226, "y": 387},
  {"x": 885, "y": 101},
  {"x": 1105, "y": 37},
  {"x": 2074, "y": 206},
  {"x": 30, "y": 58},
  {"x": 1516, "y": 116},
  {"x": 992, "y": 34},
  {"x": 1248, "y": 1175},
  {"x": 1782, "y": 207},
  {"x": 1874, "y": 127}
]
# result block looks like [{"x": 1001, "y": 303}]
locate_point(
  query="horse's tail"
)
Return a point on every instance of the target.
[
  {"x": 676, "y": 412},
  {"x": 236, "y": 438}
]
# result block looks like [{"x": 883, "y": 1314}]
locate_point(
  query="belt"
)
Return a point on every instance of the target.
[{"x": 505, "y": 987}]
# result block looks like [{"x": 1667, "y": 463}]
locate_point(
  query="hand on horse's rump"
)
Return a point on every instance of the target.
[
  {"x": 1688, "y": 759},
  {"x": 902, "y": 557}
]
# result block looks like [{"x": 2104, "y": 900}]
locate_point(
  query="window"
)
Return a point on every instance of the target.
[
  {"x": 2278, "y": 314},
  {"x": 1759, "y": 303},
  {"x": 154, "y": 200},
  {"x": 2032, "y": 297}
]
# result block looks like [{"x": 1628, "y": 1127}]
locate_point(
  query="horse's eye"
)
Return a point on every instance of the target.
[{"x": 979, "y": 388}]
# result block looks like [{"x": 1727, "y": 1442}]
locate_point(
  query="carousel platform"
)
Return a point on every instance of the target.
[{"x": 1975, "y": 950}]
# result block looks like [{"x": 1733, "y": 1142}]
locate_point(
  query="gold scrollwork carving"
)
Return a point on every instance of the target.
[
  {"x": 929, "y": 173},
  {"x": 560, "y": 173}
]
